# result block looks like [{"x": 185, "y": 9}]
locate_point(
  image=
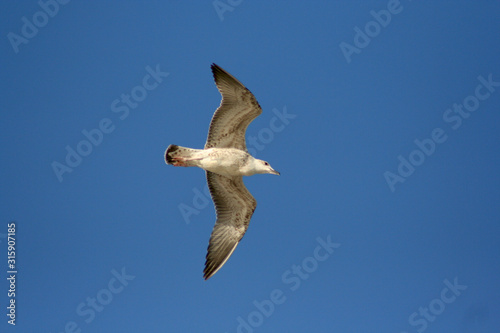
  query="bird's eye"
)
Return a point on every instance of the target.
[{"x": 265, "y": 163}]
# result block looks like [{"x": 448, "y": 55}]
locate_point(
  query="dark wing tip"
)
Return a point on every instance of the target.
[
  {"x": 217, "y": 70},
  {"x": 210, "y": 269},
  {"x": 207, "y": 273},
  {"x": 219, "y": 251},
  {"x": 222, "y": 77},
  {"x": 215, "y": 260}
]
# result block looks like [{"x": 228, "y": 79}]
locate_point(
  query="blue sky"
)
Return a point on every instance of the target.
[{"x": 382, "y": 117}]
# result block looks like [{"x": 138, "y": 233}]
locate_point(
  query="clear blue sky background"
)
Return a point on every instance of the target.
[{"x": 353, "y": 117}]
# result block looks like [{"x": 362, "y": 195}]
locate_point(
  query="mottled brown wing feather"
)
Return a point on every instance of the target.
[
  {"x": 234, "y": 207},
  {"x": 237, "y": 110}
]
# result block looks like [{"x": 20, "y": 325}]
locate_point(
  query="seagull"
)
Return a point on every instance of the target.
[{"x": 226, "y": 160}]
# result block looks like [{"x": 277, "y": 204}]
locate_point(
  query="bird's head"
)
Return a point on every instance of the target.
[{"x": 264, "y": 167}]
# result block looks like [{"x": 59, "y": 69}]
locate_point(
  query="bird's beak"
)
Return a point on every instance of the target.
[{"x": 274, "y": 172}]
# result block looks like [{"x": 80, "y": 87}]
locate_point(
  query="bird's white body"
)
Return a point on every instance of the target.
[{"x": 229, "y": 162}]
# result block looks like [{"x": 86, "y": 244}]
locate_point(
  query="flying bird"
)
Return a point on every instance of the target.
[{"x": 225, "y": 160}]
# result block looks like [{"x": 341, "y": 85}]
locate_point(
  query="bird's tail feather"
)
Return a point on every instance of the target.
[{"x": 180, "y": 156}]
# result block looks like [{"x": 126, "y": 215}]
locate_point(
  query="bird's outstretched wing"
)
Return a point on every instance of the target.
[
  {"x": 237, "y": 110},
  {"x": 234, "y": 207}
]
